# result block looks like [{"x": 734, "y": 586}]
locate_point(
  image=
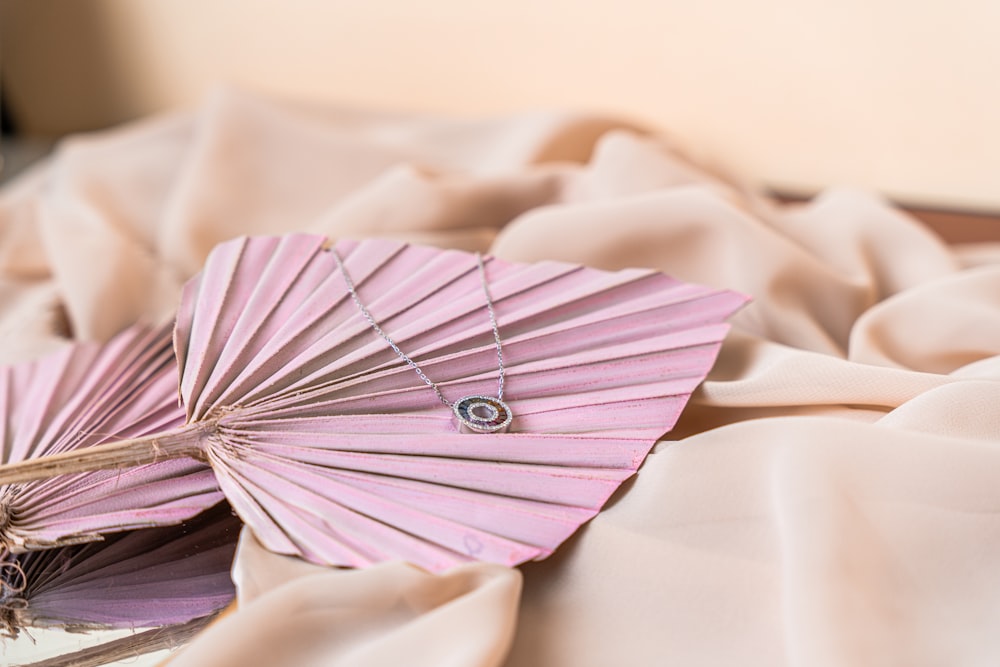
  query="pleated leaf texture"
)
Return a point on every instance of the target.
[
  {"x": 79, "y": 397},
  {"x": 331, "y": 448},
  {"x": 143, "y": 578}
]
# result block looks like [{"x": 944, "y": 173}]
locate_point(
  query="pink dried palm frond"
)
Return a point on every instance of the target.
[
  {"x": 331, "y": 448},
  {"x": 143, "y": 578},
  {"x": 79, "y": 397}
]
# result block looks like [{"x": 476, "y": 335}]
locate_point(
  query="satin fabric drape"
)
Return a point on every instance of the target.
[{"x": 829, "y": 497}]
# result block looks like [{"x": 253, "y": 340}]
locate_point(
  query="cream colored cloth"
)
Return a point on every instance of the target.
[
  {"x": 830, "y": 497},
  {"x": 390, "y": 614}
]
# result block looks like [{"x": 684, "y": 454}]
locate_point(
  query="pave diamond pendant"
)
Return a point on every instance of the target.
[{"x": 482, "y": 414}]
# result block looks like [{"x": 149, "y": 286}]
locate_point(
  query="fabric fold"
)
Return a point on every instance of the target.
[{"x": 292, "y": 613}]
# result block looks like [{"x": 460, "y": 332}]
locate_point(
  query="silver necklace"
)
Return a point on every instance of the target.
[{"x": 474, "y": 414}]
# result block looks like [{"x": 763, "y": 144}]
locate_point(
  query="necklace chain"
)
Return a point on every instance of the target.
[{"x": 405, "y": 357}]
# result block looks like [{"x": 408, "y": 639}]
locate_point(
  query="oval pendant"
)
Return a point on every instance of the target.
[{"x": 482, "y": 414}]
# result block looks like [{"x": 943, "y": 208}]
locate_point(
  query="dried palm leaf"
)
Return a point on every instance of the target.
[
  {"x": 136, "y": 579},
  {"x": 85, "y": 395},
  {"x": 331, "y": 448}
]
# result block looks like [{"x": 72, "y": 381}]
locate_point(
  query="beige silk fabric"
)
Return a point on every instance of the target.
[{"x": 831, "y": 496}]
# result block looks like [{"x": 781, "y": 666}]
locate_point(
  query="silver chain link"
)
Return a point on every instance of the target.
[{"x": 402, "y": 355}]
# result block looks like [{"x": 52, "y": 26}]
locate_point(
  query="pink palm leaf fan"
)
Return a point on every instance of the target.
[
  {"x": 331, "y": 446},
  {"x": 142, "y": 578},
  {"x": 81, "y": 396}
]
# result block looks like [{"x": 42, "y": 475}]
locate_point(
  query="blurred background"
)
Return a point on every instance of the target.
[{"x": 894, "y": 95}]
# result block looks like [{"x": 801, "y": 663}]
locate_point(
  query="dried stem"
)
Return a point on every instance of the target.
[
  {"x": 158, "y": 639},
  {"x": 179, "y": 443}
]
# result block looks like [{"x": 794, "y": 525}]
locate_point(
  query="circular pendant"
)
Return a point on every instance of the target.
[{"x": 482, "y": 414}]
